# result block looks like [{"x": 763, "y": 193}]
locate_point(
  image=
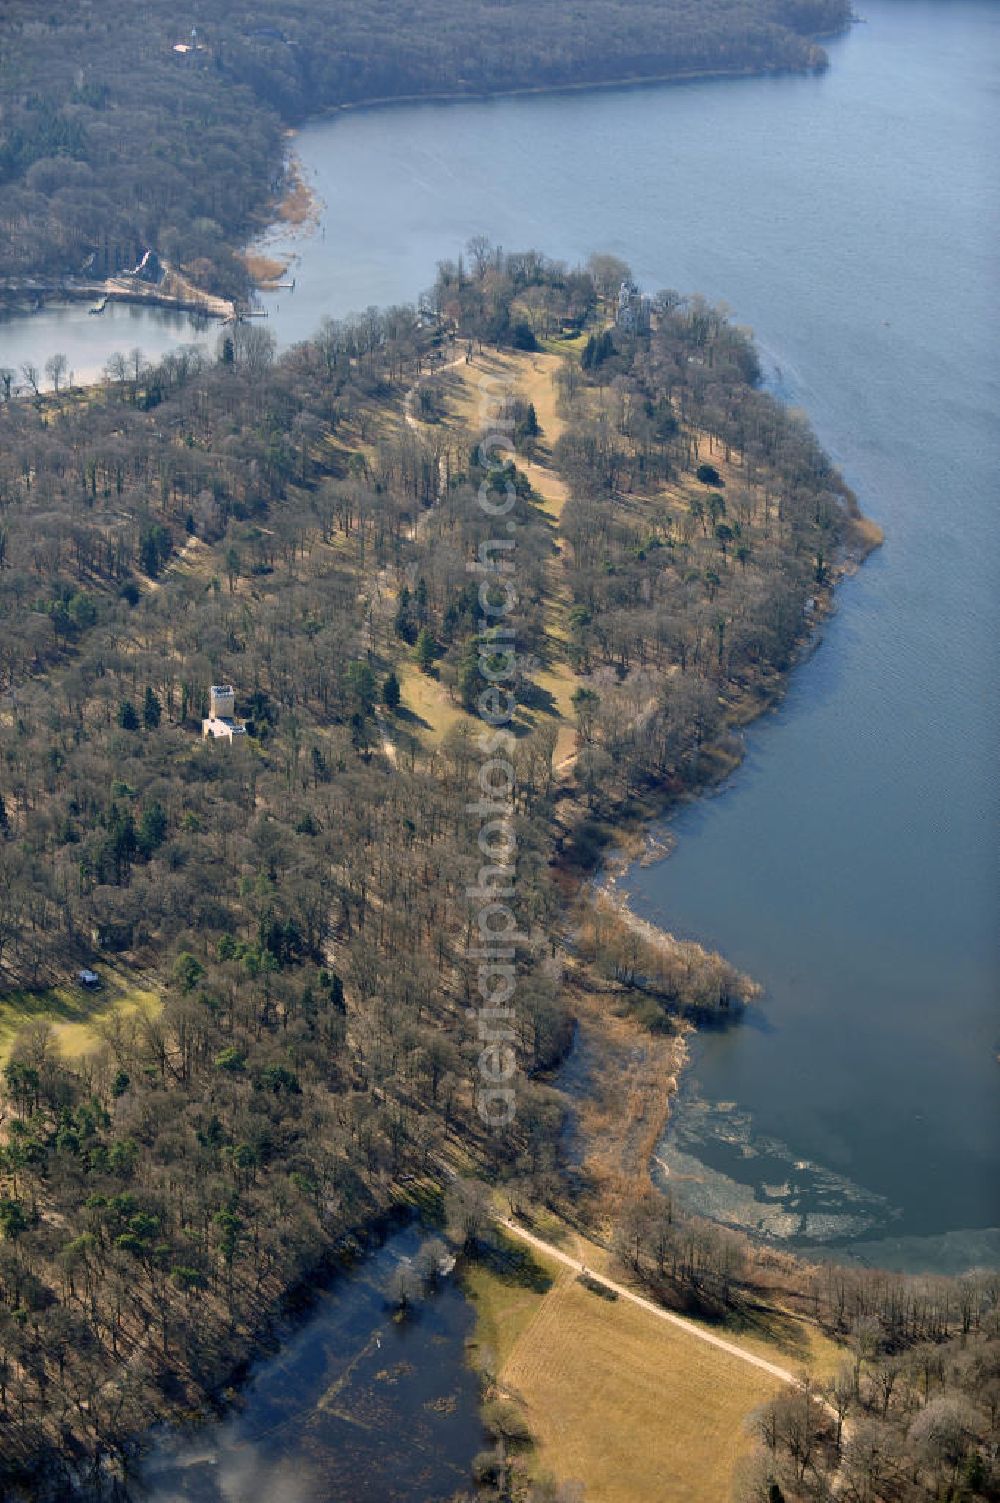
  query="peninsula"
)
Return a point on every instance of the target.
[{"x": 281, "y": 1051}]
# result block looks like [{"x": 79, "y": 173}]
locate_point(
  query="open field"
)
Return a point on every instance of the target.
[
  {"x": 614, "y": 1396},
  {"x": 426, "y": 698},
  {"x": 74, "y": 1012},
  {"x": 470, "y": 394}
]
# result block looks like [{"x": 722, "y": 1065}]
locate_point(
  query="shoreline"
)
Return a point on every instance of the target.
[
  {"x": 640, "y": 81},
  {"x": 633, "y": 832},
  {"x": 195, "y": 302},
  {"x": 298, "y": 209},
  {"x": 297, "y": 212},
  {"x": 291, "y": 217}
]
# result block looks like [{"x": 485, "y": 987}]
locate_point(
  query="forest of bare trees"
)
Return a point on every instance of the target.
[{"x": 299, "y": 898}]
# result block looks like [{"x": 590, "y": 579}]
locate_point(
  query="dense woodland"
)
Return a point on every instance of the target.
[
  {"x": 909, "y": 1417},
  {"x": 299, "y": 897},
  {"x": 110, "y": 140}
]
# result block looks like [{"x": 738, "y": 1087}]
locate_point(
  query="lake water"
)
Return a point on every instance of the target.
[
  {"x": 357, "y": 1408},
  {"x": 850, "y": 866},
  {"x": 87, "y": 341}
]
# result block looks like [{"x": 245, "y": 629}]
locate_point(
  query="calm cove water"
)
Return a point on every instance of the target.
[
  {"x": 356, "y": 1408},
  {"x": 87, "y": 341},
  {"x": 850, "y": 866}
]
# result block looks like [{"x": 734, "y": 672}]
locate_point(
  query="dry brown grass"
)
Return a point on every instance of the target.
[
  {"x": 263, "y": 269},
  {"x": 74, "y": 1013},
  {"x": 559, "y": 680},
  {"x": 624, "y": 1110},
  {"x": 635, "y": 1408},
  {"x": 480, "y": 387},
  {"x": 427, "y": 699},
  {"x": 476, "y": 392},
  {"x": 790, "y": 1338},
  {"x": 299, "y": 206},
  {"x": 866, "y": 534}
]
